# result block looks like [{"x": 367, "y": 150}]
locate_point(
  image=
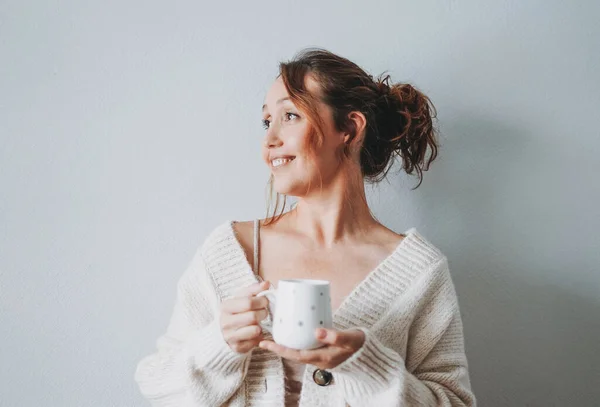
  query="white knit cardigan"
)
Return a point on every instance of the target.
[{"x": 413, "y": 354}]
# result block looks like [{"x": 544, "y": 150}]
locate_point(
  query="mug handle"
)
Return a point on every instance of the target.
[{"x": 272, "y": 297}]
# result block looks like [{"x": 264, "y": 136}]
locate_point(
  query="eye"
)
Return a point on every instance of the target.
[
  {"x": 287, "y": 114},
  {"x": 266, "y": 122}
]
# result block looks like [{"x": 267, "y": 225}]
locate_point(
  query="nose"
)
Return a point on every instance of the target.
[{"x": 272, "y": 138}]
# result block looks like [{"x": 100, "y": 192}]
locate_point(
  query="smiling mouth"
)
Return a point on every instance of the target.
[{"x": 279, "y": 162}]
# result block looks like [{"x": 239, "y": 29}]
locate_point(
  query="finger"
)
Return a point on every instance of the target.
[
  {"x": 343, "y": 339},
  {"x": 244, "y": 304},
  {"x": 315, "y": 356},
  {"x": 252, "y": 289},
  {"x": 245, "y": 346},
  {"x": 235, "y": 321},
  {"x": 322, "y": 357},
  {"x": 280, "y": 350},
  {"x": 325, "y": 357},
  {"x": 244, "y": 334}
]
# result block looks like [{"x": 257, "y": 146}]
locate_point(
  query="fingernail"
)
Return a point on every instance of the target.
[{"x": 321, "y": 333}]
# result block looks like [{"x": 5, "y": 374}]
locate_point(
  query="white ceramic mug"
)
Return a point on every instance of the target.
[{"x": 298, "y": 307}]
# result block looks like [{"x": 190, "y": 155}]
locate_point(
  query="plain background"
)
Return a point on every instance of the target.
[{"x": 129, "y": 130}]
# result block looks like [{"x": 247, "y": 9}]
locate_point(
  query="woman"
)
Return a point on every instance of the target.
[{"x": 397, "y": 337}]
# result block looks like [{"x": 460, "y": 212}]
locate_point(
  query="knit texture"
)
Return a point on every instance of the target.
[{"x": 407, "y": 307}]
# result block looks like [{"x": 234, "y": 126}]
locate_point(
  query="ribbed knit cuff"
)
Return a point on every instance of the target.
[
  {"x": 209, "y": 351},
  {"x": 369, "y": 370}
]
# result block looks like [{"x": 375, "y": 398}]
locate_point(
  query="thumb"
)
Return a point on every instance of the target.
[{"x": 353, "y": 338}]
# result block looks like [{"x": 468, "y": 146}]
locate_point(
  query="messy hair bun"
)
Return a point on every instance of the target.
[{"x": 403, "y": 126}]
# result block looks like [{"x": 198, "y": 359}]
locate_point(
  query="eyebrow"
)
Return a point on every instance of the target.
[{"x": 278, "y": 102}]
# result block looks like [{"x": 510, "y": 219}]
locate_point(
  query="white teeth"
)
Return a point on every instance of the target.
[{"x": 280, "y": 161}]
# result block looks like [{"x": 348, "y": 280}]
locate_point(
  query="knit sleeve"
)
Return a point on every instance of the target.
[
  {"x": 192, "y": 365},
  {"x": 437, "y": 372}
]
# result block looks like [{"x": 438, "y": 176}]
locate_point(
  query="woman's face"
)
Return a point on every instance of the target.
[{"x": 286, "y": 144}]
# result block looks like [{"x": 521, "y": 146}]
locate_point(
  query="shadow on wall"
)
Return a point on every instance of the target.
[{"x": 531, "y": 325}]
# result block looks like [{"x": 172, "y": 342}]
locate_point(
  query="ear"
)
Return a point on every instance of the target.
[{"x": 359, "y": 123}]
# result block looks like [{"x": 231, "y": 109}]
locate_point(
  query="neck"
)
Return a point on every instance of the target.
[{"x": 336, "y": 213}]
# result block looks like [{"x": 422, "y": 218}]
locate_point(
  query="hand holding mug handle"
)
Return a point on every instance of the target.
[{"x": 271, "y": 295}]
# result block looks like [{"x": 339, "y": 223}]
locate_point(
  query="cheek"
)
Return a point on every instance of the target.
[
  {"x": 326, "y": 156},
  {"x": 306, "y": 142}
]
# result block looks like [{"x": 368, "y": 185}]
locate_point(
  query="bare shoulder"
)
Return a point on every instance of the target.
[
  {"x": 244, "y": 232},
  {"x": 243, "y": 226},
  {"x": 388, "y": 238}
]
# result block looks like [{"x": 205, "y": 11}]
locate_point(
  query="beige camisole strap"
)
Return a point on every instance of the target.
[{"x": 256, "y": 246}]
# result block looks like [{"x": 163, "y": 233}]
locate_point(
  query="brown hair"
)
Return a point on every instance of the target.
[{"x": 399, "y": 116}]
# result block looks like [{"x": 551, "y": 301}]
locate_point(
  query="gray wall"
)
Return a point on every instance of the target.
[{"x": 128, "y": 130}]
